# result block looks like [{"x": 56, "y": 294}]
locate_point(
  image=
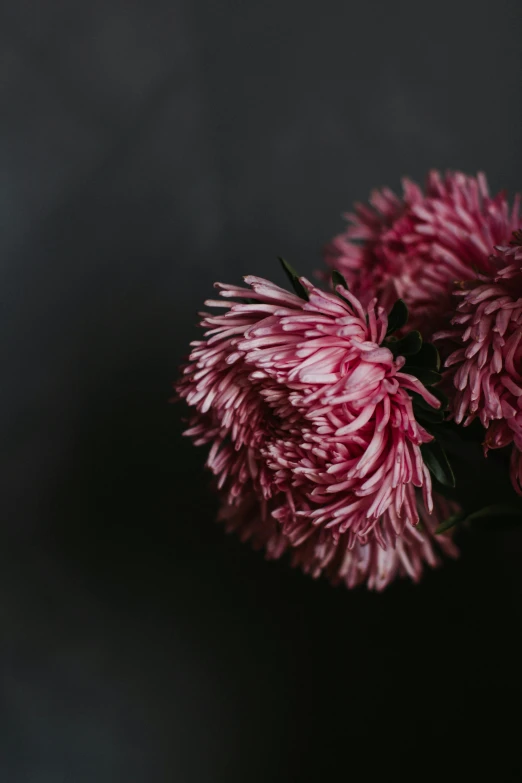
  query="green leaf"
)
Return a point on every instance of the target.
[
  {"x": 487, "y": 514},
  {"x": 398, "y": 316},
  {"x": 447, "y": 492},
  {"x": 292, "y": 275},
  {"x": 427, "y": 357},
  {"x": 338, "y": 279},
  {"x": 409, "y": 345},
  {"x": 437, "y": 463},
  {"x": 452, "y": 438},
  {"x": 432, "y": 416},
  {"x": 450, "y": 522},
  {"x": 494, "y": 511}
]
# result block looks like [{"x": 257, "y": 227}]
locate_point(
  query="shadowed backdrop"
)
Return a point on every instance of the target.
[{"x": 146, "y": 150}]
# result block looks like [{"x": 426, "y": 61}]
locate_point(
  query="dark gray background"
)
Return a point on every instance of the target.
[{"x": 146, "y": 150}]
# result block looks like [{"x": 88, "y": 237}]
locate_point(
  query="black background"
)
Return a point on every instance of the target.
[{"x": 146, "y": 150}]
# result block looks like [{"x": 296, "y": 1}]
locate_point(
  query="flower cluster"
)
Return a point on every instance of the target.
[{"x": 324, "y": 411}]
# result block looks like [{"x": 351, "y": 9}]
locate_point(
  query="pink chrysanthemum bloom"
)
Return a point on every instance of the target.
[
  {"x": 355, "y": 460},
  {"x": 486, "y": 369},
  {"x": 307, "y": 409},
  {"x": 416, "y": 247},
  {"x": 320, "y": 554}
]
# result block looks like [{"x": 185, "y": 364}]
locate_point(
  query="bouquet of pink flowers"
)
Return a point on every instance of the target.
[{"x": 349, "y": 423}]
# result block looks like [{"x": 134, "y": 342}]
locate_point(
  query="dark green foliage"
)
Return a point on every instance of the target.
[
  {"x": 293, "y": 277},
  {"x": 427, "y": 357},
  {"x": 437, "y": 463},
  {"x": 450, "y": 522},
  {"x": 338, "y": 279},
  {"x": 409, "y": 345},
  {"x": 495, "y": 516},
  {"x": 398, "y": 317}
]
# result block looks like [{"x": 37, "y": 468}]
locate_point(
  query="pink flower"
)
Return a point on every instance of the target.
[
  {"x": 354, "y": 460},
  {"x": 416, "y": 247},
  {"x": 486, "y": 369},
  {"x": 320, "y": 554},
  {"x": 309, "y": 412}
]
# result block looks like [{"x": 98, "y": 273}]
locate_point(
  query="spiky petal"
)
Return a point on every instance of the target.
[{"x": 416, "y": 246}]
